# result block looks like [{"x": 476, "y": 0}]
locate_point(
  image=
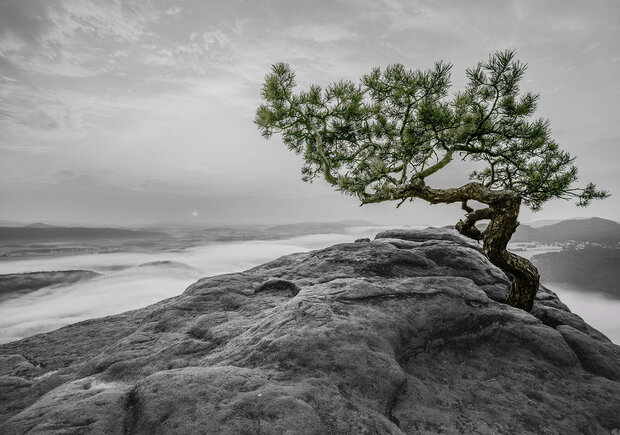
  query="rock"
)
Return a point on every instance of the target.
[
  {"x": 430, "y": 234},
  {"x": 17, "y": 365},
  {"x": 556, "y": 317},
  {"x": 278, "y": 286},
  {"x": 602, "y": 359},
  {"x": 402, "y": 334}
]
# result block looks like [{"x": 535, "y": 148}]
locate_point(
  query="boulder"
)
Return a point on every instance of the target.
[{"x": 403, "y": 334}]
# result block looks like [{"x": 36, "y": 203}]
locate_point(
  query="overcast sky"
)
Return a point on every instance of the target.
[{"x": 131, "y": 112}]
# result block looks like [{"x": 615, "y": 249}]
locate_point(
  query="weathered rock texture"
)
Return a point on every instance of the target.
[{"x": 403, "y": 334}]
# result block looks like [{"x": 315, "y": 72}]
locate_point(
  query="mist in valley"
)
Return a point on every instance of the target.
[
  {"x": 132, "y": 280},
  {"x": 597, "y": 309}
]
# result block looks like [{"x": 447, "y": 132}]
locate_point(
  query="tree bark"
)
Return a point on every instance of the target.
[{"x": 503, "y": 223}]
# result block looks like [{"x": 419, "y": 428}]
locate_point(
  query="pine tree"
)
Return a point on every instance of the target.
[{"x": 380, "y": 140}]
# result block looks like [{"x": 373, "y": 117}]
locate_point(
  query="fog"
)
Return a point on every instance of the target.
[
  {"x": 125, "y": 285},
  {"x": 133, "y": 286},
  {"x": 596, "y": 309},
  {"x": 52, "y": 307},
  {"x": 211, "y": 259}
]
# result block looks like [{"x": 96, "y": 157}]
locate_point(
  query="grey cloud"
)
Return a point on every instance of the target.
[
  {"x": 24, "y": 21},
  {"x": 155, "y": 185},
  {"x": 77, "y": 178},
  {"x": 173, "y": 11},
  {"x": 153, "y": 86},
  {"x": 201, "y": 53},
  {"x": 28, "y": 149},
  {"x": 28, "y": 112},
  {"x": 42, "y": 121},
  {"x": 66, "y": 38}
]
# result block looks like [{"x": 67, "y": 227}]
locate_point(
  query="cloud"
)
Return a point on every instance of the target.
[
  {"x": 77, "y": 178},
  {"x": 44, "y": 114},
  {"x": 320, "y": 33},
  {"x": 152, "y": 85},
  {"x": 200, "y": 54},
  {"x": 28, "y": 149},
  {"x": 62, "y": 41},
  {"x": 67, "y": 38},
  {"x": 184, "y": 165},
  {"x": 173, "y": 11}
]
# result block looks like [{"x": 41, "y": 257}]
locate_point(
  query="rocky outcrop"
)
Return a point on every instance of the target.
[{"x": 403, "y": 334}]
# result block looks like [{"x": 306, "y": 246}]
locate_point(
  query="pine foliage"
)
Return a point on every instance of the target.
[{"x": 397, "y": 127}]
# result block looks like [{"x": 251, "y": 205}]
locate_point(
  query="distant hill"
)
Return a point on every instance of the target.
[
  {"x": 314, "y": 227},
  {"x": 42, "y": 233},
  {"x": 595, "y": 230},
  {"x": 593, "y": 268},
  {"x": 14, "y": 283},
  {"x": 40, "y": 225},
  {"x": 232, "y": 233},
  {"x": 545, "y": 222},
  {"x": 171, "y": 265},
  {"x": 525, "y": 233}
]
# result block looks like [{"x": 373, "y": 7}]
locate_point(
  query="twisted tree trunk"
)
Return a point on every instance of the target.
[
  {"x": 525, "y": 277},
  {"x": 503, "y": 223},
  {"x": 502, "y": 211}
]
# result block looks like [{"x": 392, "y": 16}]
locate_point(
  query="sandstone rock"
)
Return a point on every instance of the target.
[
  {"x": 403, "y": 334},
  {"x": 602, "y": 359}
]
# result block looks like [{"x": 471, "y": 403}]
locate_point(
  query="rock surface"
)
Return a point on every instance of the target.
[{"x": 403, "y": 334}]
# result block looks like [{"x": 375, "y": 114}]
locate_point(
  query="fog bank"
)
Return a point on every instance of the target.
[{"x": 125, "y": 286}]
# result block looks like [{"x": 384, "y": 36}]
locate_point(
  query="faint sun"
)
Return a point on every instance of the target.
[{"x": 194, "y": 213}]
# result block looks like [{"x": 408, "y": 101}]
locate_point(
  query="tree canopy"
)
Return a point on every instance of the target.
[{"x": 380, "y": 138}]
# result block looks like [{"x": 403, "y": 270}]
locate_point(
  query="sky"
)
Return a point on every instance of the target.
[{"x": 138, "y": 112}]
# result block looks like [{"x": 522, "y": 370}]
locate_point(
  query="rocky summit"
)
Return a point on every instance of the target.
[{"x": 403, "y": 334}]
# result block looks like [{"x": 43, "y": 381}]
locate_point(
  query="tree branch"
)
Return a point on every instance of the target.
[
  {"x": 319, "y": 147},
  {"x": 417, "y": 188},
  {"x": 468, "y": 228},
  {"x": 436, "y": 167}
]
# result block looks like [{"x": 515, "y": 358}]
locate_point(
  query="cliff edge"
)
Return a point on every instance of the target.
[{"x": 402, "y": 334}]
